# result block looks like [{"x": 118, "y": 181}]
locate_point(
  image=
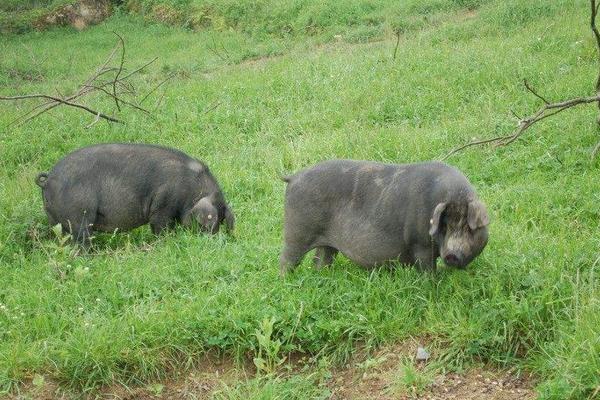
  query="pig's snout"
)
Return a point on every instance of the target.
[{"x": 455, "y": 259}]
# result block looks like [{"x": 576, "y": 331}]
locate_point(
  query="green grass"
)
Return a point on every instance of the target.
[{"x": 143, "y": 305}]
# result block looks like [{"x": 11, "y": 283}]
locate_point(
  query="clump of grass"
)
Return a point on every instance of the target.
[{"x": 410, "y": 379}]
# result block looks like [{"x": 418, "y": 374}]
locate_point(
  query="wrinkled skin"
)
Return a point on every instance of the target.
[
  {"x": 122, "y": 186},
  {"x": 378, "y": 213}
]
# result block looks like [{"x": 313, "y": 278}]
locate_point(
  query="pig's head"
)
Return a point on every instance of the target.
[
  {"x": 206, "y": 214},
  {"x": 460, "y": 230}
]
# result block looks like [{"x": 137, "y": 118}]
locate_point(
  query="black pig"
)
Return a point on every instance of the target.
[
  {"x": 376, "y": 213},
  {"x": 122, "y": 186}
]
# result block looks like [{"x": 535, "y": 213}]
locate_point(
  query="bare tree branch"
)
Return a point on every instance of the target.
[
  {"x": 549, "y": 109},
  {"x": 106, "y": 79},
  {"x": 63, "y": 101},
  {"x": 94, "y": 122},
  {"x": 157, "y": 86},
  {"x": 534, "y": 92},
  {"x": 397, "y": 42},
  {"x": 546, "y": 111},
  {"x": 594, "y": 13},
  {"x": 114, "y": 85}
]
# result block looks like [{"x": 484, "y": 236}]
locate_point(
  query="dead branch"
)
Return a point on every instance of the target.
[
  {"x": 549, "y": 109},
  {"x": 112, "y": 81},
  {"x": 214, "y": 49},
  {"x": 594, "y": 13},
  {"x": 546, "y": 111},
  {"x": 528, "y": 87},
  {"x": 397, "y": 43},
  {"x": 63, "y": 101},
  {"x": 157, "y": 86}
]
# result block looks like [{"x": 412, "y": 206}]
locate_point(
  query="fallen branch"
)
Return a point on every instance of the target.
[
  {"x": 546, "y": 111},
  {"x": 112, "y": 81},
  {"x": 63, "y": 101},
  {"x": 549, "y": 109},
  {"x": 397, "y": 43}
]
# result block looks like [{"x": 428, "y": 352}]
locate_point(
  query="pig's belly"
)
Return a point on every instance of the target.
[
  {"x": 370, "y": 247},
  {"x": 124, "y": 218}
]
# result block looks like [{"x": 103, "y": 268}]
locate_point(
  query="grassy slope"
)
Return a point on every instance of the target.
[{"x": 124, "y": 314}]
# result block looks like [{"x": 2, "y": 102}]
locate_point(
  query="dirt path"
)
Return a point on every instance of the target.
[{"x": 391, "y": 373}]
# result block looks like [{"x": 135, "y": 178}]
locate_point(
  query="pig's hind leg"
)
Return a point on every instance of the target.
[
  {"x": 291, "y": 257},
  {"x": 80, "y": 226},
  {"x": 324, "y": 256}
]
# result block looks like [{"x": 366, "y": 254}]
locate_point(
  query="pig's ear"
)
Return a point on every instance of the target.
[
  {"x": 435, "y": 219},
  {"x": 205, "y": 213},
  {"x": 229, "y": 219},
  {"x": 477, "y": 216}
]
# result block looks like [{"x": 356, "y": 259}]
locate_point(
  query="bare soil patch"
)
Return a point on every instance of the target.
[
  {"x": 376, "y": 377},
  {"x": 372, "y": 376}
]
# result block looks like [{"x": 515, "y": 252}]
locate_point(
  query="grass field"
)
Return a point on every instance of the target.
[{"x": 141, "y": 306}]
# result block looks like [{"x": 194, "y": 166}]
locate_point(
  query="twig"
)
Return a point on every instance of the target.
[
  {"x": 549, "y": 109},
  {"x": 212, "y": 106},
  {"x": 93, "y": 122},
  {"x": 121, "y": 100},
  {"x": 135, "y": 71},
  {"x": 397, "y": 42},
  {"x": 474, "y": 143},
  {"x": 546, "y": 111},
  {"x": 157, "y": 86},
  {"x": 106, "y": 79},
  {"x": 119, "y": 71},
  {"x": 534, "y": 92},
  {"x": 594, "y": 13},
  {"x": 63, "y": 101},
  {"x": 213, "y": 48}
]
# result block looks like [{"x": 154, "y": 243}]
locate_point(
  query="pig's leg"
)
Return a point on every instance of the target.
[
  {"x": 162, "y": 214},
  {"x": 160, "y": 221},
  {"x": 424, "y": 258},
  {"x": 324, "y": 256},
  {"x": 80, "y": 227},
  {"x": 291, "y": 256}
]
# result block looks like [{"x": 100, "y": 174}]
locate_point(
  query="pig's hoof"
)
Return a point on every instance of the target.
[{"x": 283, "y": 270}]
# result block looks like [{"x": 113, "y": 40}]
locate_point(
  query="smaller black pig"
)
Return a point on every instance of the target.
[
  {"x": 122, "y": 186},
  {"x": 377, "y": 213}
]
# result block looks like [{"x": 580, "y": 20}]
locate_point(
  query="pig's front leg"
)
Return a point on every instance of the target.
[
  {"x": 424, "y": 258},
  {"x": 160, "y": 221}
]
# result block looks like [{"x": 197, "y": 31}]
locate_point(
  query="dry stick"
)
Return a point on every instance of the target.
[
  {"x": 534, "y": 92},
  {"x": 546, "y": 111},
  {"x": 93, "y": 122},
  {"x": 86, "y": 88},
  {"x": 135, "y": 71},
  {"x": 555, "y": 107},
  {"x": 58, "y": 99},
  {"x": 48, "y": 106},
  {"x": 397, "y": 42},
  {"x": 213, "y": 105},
  {"x": 157, "y": 86},
  {"x": 594, "y": 12},
  {"x": 122, "y": 42},
  {"x": 100, "y": 88}
]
